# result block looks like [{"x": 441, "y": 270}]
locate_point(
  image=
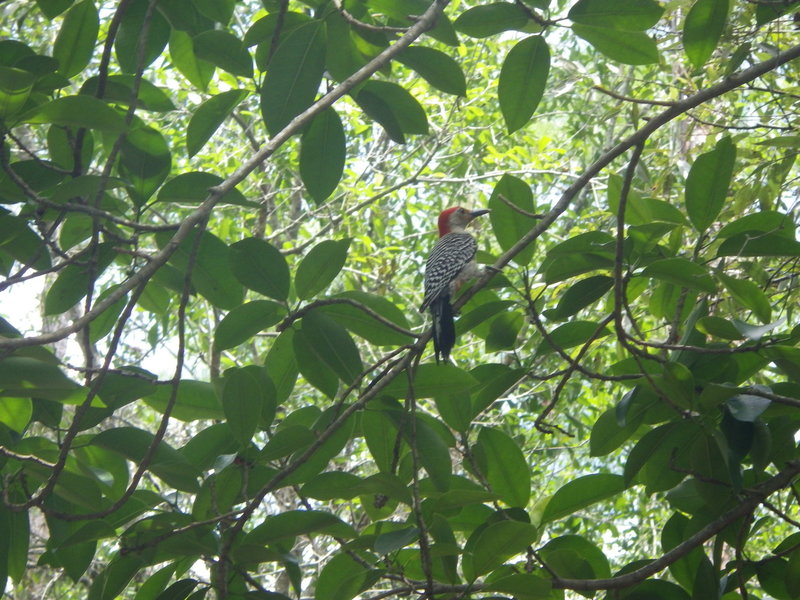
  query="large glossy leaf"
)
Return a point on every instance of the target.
[
  {"x": 72, "y": 283},
  {"x": 245, "y": 321},
  {"x": 195, "y": 400},
  {"x": 570, "y": 335},
  {"x": 15, "y": 88},
  {"x": 341, "y": 578},
  {"x": 131, "y": 36},
  {"x": 292, "y": 523},
  {"x": 167, "y": 463},
  {"x": 766, "y": 244},
  {"x": 181, "y": 50},
  {"x": 225, "y": 50},
  {"x": 628, "y": 15},
  {"x": 574, "y": 556},
  {"x": 525, "y": 586},
  {"x": 281, "y": 365},
  {"x": 311, "y": 366},
  {"x": 192, "y": 187},
  {"x": 76, "y": 38},
  {"x": 322, "y": 155},
  {"x": 209, "y": 116},
  {"x": 77, "y": 111},
  {"x": 522, "y": 81},
  {"x": 333, "y": 345},
  {"x": 681, "y": 272},
  {"x": 431, "y": 380},
  {"x": 708, "y": 182},
  {"x": 119, "y": 89},
  {"x": 145, "y": 161},
  {"x": 211, "y": 274},
  {"x": 242, "y": 403},
  {"x": 630, "y": 47},
  {"x": 579, "y": 493},
  {"x": 749, "y": 295},
  {"x": 490, "y": 19},
  {"x": 437, "y": 68},
  {"x": 294, "y": 76},
  {"x": 580, "y": 295},
  {"x": 499, "y": 542},
  {"x": 508, "y": 224},
  {"x": 507, "y": 471},
  {"x": 261, "y": 267},
  {"x": 365, "y": 325},
  {"x": 319, "y": 267},
  {"x": 394, "y": 108},
  {"x": 703, "y": 28},
  {"x": 22, "y": 244}
]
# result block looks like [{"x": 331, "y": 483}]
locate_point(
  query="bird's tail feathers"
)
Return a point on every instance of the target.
[{"x": 444, "y": 328}]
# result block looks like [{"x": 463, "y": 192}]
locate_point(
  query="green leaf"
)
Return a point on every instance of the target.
[
  {"x": 119, "y": 89},
  {"x": 261, "y": 267},
  {"x": 209, "y": 116},
  {"x": 241, "y": 401},
  {"x": 322, "y": 155},
  {"x": 317, "y": 373},
  {"x": 394, "y": 108},
  {"x": 195, "y": 400},
  {"x": 507, "y": 471},
  {"x": 281, "y": 365},
  {"x": 522, "y": 81},
  {"x": 333, "y": 345},
  {"x": 341, "y": 579},
  {"x": 192, "y": 187},
  {"x": 630, "y": 47},
  {"x": 15, "y": 413},
  {"x": 320, "y": 267},
  {"x": 580, "y": 295},
  {"x": 749, "y": 295},
  {"x": 343, "y": 56},
  {"x": 627, "y": 15},
  {"x": 73, "y": 281},
  {"x": 77, "y": 111},
  {"x": 167, "y": 463},
  {"x": 220, "y": 11},
  {"x": 225, "y": 50},
  {"x": 703, "y": 28},
  {"x": 145, "y": 161},
  {"x": 508, "y": 224},
  {"x": 181, "y": 50},
  {"x": 76, "y": 38},
  {"x": 708, "y": 182},
  {"x": 245, "y": 321},
  {"x": 211, "y": 274},
  {"x": 292, "y": 523},
  {"x": 579, "y": 493},
  {"x": 431, "y": 380},
  {"x": 766, "y": 244},
  {"x": 767, "y": 221},
  {"x": 129, "y": 39},
  {"x": 499, "y": 542},
  {"x": 437, "y": 68},
  {"x": 364, "y": 325},
  {"x": 264, "y": 28},
  {"x": 490, "y": 19},
  {"x": 681, "y": 272},
  {"x": 109, "y": 584},
  {"x": 570, "y": 335},
  {"x": 573, "y": 556},
  {"x": 719, "y": 327},
  {"x": 524, "y": 586},
  {"x": 608, "y": 434},
  {"x": 15, "y": 88},
  {"x": 22, "y": 244},
  {"x": 294, "y": 75},
  {"x": 503, "y": 331}
]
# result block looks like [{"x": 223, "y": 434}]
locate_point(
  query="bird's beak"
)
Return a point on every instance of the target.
[{"x": 478, "y": 213}]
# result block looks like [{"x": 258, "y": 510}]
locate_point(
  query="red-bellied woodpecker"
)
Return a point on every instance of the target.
[{"x": 449, "y": 265}]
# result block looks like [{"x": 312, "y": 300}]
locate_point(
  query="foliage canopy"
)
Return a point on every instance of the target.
[{"x": 223, "y": 209}]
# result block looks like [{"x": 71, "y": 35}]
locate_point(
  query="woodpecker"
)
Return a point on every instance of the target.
[{"x": 449, "y": 266}]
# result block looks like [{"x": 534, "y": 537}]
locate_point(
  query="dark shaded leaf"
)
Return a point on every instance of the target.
[
  {"x": 508, "y": 224},
  {"x": 630, "y": 48},
  {"x": 76, "y": 38},
  {"x": 73, "y": 281},
  {"x": 703, "y": 28},
  {"x": 320, "y": 267},
  {"x": 225, "y": 50},
  {"x": 490, "y": 19},
  {"x": 708, "y": 182},
  {"x": 579, "y": 493},
  {"x": 193, "y": 187},
  {"x": 437, "y": 68},
  {"x": 322, "y": 155},
  {"x": 209, "y": 116},
  {"x": 394, "y": 108},
  {"x": 507, "y": 471},
  {"x": 242, "y": 402},
  {"x": 245, "y": 321},
  {"x": 627, "y": 15},
  {"x": 261, "y": 267},
  {"x": 333, "y": 345},
  {"x": 522, "y": 81}
]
